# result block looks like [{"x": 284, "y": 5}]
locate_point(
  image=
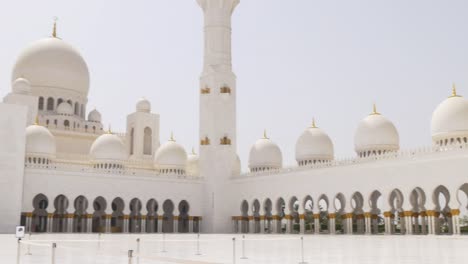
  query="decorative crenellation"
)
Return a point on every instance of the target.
[
  {"x": 205, "y": 90},
  {"x": 225, "y": 90},
  {"x": 225, "y": 141},
  {"x": 205, "y": 141}
]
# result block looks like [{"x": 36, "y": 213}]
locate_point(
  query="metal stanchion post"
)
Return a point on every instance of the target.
[
  {"x": 234, "y": 250},
  {"x": 54, "y": 246},
  {"x": 302, "y": 251},
  {"x": 198, "y": 245},
  {"x": 18, "y": 251},
  {"x": 130, "y": 256},
  {"x": 243, "y": 248},
  {"x": 28, "y": 252},
  {"x": 138, "y": 251}
]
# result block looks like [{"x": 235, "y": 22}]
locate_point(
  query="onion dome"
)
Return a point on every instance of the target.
[
  {"x": 94, "y": 116},
  {"x": 314, "y": 145},
  {"x": 65, "y": 108},
  {"x": 107, "y": 150},
  {"x": 21, "y": 86},
  {"x": 449, "y": 124},
  {"x": 53, "y": 66},
  {"x": 143, "y": 105},
  {"x": 192, "y": 164},
  {"x": 170, "y": 158},
  {"x": 375, "y": 135},
  {"x": 265, "y": 155},
  {"x": 40, "y": 142}
]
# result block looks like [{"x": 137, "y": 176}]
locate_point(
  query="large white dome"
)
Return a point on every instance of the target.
[
  {"x": 40, "y": 142},
  {"x": 450, "y": 120},
  {"x": 265, "y": 155},
  {"x": 170, "y": 157},
  {"x": 376, "y": 134},
  {"x": 108, "y": 148},
  {"x": 52, "y": 64},
  {"x": 313, "y": 145}
]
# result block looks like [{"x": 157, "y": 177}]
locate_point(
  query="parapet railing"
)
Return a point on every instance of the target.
[{"x": 394, "y": 155}]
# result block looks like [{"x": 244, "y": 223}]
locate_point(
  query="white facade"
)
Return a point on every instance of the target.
[{"x": 132, "y": 182}]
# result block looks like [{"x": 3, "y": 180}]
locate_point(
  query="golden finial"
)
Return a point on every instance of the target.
[
  {"x": 265, "y": 134},
  {"x": 374, "y": 110},
  {"x": 36, "y": 121},
  {"x": 193, "y": 151},
  {"x": 54, "y": 30},
  {"x": 313, "y": 123},
  {"x": 454, "y": 91},
  {"x": 172, "y": 137}
]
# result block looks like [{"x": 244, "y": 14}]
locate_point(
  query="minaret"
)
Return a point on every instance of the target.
[{"x": 217, "y": 114}]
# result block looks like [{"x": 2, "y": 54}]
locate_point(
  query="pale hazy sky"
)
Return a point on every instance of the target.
[{"x": 294, "y": 60}]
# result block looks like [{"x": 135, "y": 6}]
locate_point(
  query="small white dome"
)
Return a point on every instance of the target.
[
  {"x": 40, "y": 142},
  {"x": 108, "y": 147},
  {"x": 53, "y": 64},
  {"x": 265, "y": 155},
  {"x": 21, "y": 86},
  {"x": 313, "y": 145},
  {"x": 170, "y": 155},
  {"x": 64, "y": 108},
  {"x": 192, "y": 164},
  {"x": 450, "y": 119},
  {"x": 94, "y": 116},
  {"x": 376, "y": 133},
  {"x": 143, "y": 105}
]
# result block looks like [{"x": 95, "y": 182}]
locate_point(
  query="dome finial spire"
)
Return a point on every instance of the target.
[
  {"x": 172, "y": 136},
  {"x": 374, "y": 110},
  {"x": 454, "y": 90},
  {"x": 109, "y": 131},
  {"x": 313, "y": 123},
  {"x": 193, "y": 151},
  {"x": 265, "y": 134},
  {"x": 36, "y": 121},
  {"x": 54, "y": 30}
]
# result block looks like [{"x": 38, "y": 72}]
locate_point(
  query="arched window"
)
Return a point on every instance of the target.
[
  {"x": 59, "y": 101},
  {"x": 132, "y": 132},
  {"x": 66, "y": 123},
  {"x": 147, "y": 141},
  {"x": 41, "y": 103},
  {"x": 70, "y": 102},
  {"x": 77, "y": 110},
  {"x": 82, "y": 111},
  {"x": 50, "y": 104}
]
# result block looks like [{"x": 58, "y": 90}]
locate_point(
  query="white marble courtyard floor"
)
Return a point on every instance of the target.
[{"x": 261, "y": 249}]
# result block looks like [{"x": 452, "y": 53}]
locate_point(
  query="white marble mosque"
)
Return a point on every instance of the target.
[{"x": 62, "y": 171}]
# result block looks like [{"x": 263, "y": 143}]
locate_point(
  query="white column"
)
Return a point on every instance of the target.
[
  {"x": 455, "y": 221},
  {"x": 301, "y": 223},
  {"x": 368, "y": 223},
  {"x": 176, "y": 224},
  {"x": 143, "y": 224},
  {"x": 262, "y": 224},
  {"x": 423, "y": 223},
  {"x": 28, "y": 222},
  {"x": 274, "y": 225},
  {"x": 288, "y": 224},
  {"x": 190, "y": 224},
  {"x": 108, "y": 224},
  {"x": 50, "y": 222},
  {"x": 89, "y": 223},
  {"x": 70, "y": 223},
  {"x": 317, "y": 223},
  {"x": 416, "y": 229},
  {"x": 388, "y": 222},
  {"x": 251, "y": 224},
  {"x": 160, "y": 223}
]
